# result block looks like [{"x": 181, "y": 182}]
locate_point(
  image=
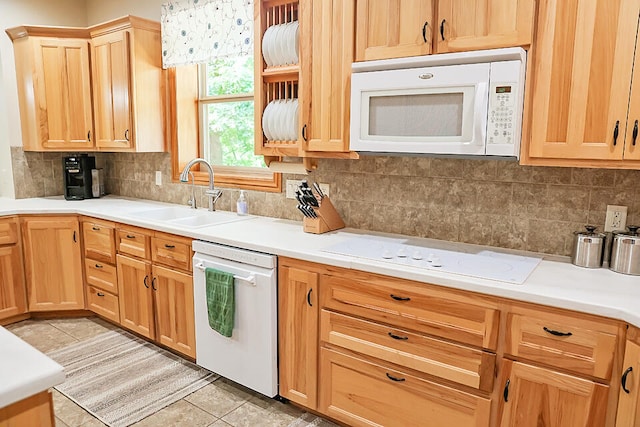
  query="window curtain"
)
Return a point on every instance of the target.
[{"x": 197, "y": 31}]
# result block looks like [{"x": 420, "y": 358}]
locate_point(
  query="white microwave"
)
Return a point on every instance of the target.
[{"x": 464, "y": 104}]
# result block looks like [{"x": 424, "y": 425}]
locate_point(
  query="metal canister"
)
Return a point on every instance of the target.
[
  {"x": 625, "y": 251},
  {"x": 588, "y": 248}
]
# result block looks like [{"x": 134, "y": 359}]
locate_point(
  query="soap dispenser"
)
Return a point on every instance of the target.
[{"x": 241, "y": 205}]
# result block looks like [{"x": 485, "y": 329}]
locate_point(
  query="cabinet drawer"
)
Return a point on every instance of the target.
[
  {"x": 464, "y": 365},
  {"x": 133, "y": 242},
  {"x": 575, "y": 343},
  {"x": 361, "y": 393},
  {"x": 101, "y": 275},
  {"x": 99, "y": 241},
  {"x": 103, "y": 303},
  {"x": 171, "y": 252},
  {"x": 413, "y": 306},
  {"x": 8, "y": 231}
]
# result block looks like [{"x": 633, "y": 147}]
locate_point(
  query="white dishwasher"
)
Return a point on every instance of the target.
[{"x": 249, "y": 356}]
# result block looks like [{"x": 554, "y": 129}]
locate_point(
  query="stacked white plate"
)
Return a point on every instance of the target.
[
  {"x": 280, "y": 44},
  {"x": 280, "y": 120}
]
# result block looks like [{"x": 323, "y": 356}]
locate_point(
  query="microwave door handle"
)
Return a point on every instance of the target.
[{"x": 480, "y": 121}]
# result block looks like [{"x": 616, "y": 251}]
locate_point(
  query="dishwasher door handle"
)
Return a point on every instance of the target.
[{"x": 251, "y": 278}]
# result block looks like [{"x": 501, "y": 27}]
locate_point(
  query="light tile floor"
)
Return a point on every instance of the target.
[{"x": 220, "y": 404}]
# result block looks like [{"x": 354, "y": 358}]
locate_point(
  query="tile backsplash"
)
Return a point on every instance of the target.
[{"x": 488, "y": 202}]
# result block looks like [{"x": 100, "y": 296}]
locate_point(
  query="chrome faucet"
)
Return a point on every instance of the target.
[{"x": 211, "y": 192}]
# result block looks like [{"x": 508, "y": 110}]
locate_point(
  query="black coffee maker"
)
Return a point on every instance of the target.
[{"x": 77, "y": 176}]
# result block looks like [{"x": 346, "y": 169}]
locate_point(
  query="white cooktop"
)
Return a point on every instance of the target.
[{"x": 483, "y": 264}]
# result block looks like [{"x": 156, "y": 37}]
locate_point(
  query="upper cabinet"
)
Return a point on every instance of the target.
[
  {"x": 399, "y": 28},
  {"x": 55, "y": 69},
  {"x": 54, "y": 89},
  {"x": 582, "y": 104},
  {"x": 303, "y": 56}
]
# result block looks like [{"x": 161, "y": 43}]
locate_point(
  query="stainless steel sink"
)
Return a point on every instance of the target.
[{"x": 187, "y": 217}]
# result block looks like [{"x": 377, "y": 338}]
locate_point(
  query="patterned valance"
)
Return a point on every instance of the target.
[{"x": 196, "y": 31}]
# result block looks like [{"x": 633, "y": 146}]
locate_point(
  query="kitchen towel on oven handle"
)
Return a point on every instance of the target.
[{"x": 220, "y": 293}]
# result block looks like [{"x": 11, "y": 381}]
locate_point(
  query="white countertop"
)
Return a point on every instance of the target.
[
  {"x": 555, "y": 282},
  {"x": 24, "y": 371}
]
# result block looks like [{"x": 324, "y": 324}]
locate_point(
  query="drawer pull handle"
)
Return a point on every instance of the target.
[
  {"x": 623, "y": 382},
  {"x": 397, "y": 337},
  {"x": 169, "y": 246},
  {"x": 442, "y": 29},
  {"x": 396, "y": 379},
  {"x": 424, "y": 31},
  {"x": 397, "y": 298},
  {"x": 129, "y": 236},
  {"x": 505, "y": 392},
  {"x": 100, "y": 294},
  {"x": 309, "y": 297},
  {"x": 557, "y": 333},
  {"x": 98, "y": 266},
  {"x": 95, "y": 228},
  {"x": 153, "y": 284},
  {"x": 146, "y": 282}
]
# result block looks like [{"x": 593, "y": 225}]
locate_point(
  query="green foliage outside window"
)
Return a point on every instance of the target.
[{"x": 229, "y": 124}]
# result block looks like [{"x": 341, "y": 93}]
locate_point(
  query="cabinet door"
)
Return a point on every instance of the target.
[
  {"x": 99, "y": 241},
  {"x": 632, "y": 136},
  {"x": 12, "y": 290},
  {"x": 393, "y": 28},
  {"x": 174, "y": 313},
  {"x": 298, "y": 335},
  {"x": 111, "y": 90},
  {"x": 135, "y": 298},
  {"x": 540, "y": 397},
  {"x": 580, "y": 76},
  {"x": 53, "y": 263},
  {"x": 327, "y": 32},
  {"x": 483, "y": 24},
  {"x": 628, "y": 407},
  {"x": 63, "y": 93}
]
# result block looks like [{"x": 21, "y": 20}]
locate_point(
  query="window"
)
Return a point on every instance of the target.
[{"x": 212, "y": 116}]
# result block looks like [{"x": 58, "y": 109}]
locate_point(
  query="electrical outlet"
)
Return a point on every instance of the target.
[
  {"x": 616, "y": 218},
  {"x": 292, "y": 186},
  {"x": 158, "y": 177}
]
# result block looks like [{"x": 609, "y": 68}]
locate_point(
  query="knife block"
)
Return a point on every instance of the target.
[{"x": 328, "y": 219}]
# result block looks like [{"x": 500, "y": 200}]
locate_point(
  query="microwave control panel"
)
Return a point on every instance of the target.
[{"x": 501, "y": 122}]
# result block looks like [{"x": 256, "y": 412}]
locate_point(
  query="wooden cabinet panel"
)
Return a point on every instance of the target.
[
  {"x": 631, "y": 140},
  {"x": 175, "y": 322},
  {"x": 298, "y": 334},
  {"x": 103, "y": 303},
  {"x": 584, "y": 346},
  {"x": 101, "y": 275},
  {"x": 172, "y": 251},
  {"x": 464, "y": 365},
  {"x": 13, "y": 299},
  {"x": 53, "y": 263},
  {"x": 425, "y": 309},
  {"x": 111, "y": 90},
  {"x": 8, "y": 231},
  {"x": 361, "y": 393},
  {"x": 483, "y": 24},
  {"x": 393, "y": 28},
  {"x": 136, "y": 299},
  {"x": 629, "y": 400},
  {"x": 36, "y": 410},
  {"x": 99, "y": 241},
  {"x": 541, "y": 397},
  {"x": 579, "y": 79},
  {"x": 133, "y": 241},
  {"x": 327, "y": 35}
]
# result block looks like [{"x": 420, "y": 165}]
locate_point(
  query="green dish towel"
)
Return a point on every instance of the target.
[{"x": 220, "y": 300}]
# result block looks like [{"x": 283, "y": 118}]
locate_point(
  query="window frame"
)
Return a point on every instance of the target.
[{"x": 186, "y": 106}]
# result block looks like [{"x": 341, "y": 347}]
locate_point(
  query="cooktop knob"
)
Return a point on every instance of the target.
[
  {"x": 417, "y": 255},
  {"x": 387, "y": 254},
  {"x": 402, "y": 253}
]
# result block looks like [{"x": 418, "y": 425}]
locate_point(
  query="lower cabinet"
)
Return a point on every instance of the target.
[
  {"x": 629, "y": 397},
  {"x": 13, "y": 301},
  {"x": 365, "y": 393},
  {"x": 298, "y": 334},
  {"x": 535, "y": 396},
  {"x": 156, "y": 301},
  {"x": 53, "y": 263}
]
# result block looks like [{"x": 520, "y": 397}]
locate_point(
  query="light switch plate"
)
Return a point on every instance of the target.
[{"x": 158, "y": 177}]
